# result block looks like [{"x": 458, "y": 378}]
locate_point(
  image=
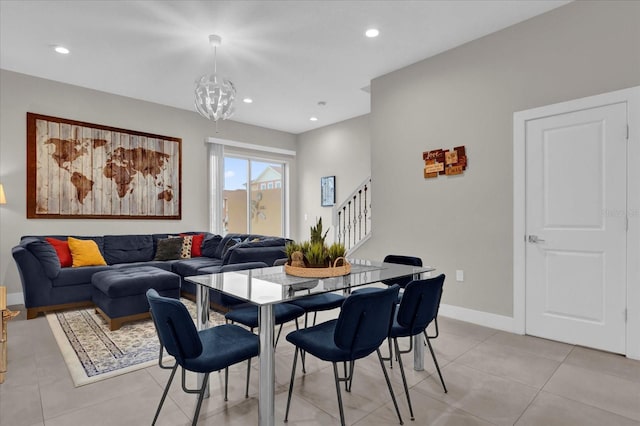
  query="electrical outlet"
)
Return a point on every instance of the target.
[{"x": 459, "y": 275}]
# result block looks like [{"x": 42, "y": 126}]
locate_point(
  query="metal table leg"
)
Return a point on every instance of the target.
[
  {"x": 418, "y": 344},
  {"x": 266, "y": 401},
  {"x": 202, "y": 322}
]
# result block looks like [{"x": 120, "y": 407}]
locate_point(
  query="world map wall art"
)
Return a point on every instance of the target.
[{"x": 88, "y": 171}]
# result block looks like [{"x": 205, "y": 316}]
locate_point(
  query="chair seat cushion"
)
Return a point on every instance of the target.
[
  {"x": 223, "y": 346},
  {"x": 283, "y": 312},
  {"x": 318, "y": 341},
  {"x": 319, "y": 302}
]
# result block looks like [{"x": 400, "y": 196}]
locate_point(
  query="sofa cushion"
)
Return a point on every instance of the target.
[
  {"x": 250, "y": 245},
  {"x": 76, "y": 276},
  {"x": 169, "y": 249},
  {"x": 62, "y": 250},
  {"x": 228, "y": 241},
  {"x": 46, "y": 255},
  {"x": 132, "y": 281},
  {"x": 210, "y": 245},
  {"x": 128, "y": 248},
  {"x": 161, "y": 264},
  {"x": 188, "y": 267},
  {"x": 85, "y": 253}
]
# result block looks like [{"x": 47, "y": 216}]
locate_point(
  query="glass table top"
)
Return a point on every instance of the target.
[{"x": 271, "y": 285}]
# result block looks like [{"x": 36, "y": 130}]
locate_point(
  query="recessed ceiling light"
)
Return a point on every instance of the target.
[
  {"x": 314, "y": 119},
  {"x": 372, "y": 32},
  {"x": 247, "y": 100},
  {"x": 62, "y": 50}
]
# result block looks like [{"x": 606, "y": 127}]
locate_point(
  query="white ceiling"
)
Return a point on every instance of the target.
[{"x": 286, "y": 55}]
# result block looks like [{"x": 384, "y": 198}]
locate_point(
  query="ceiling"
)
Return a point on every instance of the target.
[{"x": 285, "y": 55}]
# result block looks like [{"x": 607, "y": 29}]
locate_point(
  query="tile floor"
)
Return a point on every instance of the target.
[{"x": 494, "y": 378}]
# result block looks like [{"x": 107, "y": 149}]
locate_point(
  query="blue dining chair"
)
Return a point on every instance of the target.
[
  {"x": 248, "y": 315},
  {"x": 401, "y": 260},
  {"x": 198, "y": 351},
  {"x": 418, "y": 308},
  {"x": 364, "y": 322}
]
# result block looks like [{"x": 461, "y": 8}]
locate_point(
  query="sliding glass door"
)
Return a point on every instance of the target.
[{"x": 253, "y": 196}]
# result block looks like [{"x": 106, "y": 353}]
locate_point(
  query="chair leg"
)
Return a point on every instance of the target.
[
  {"x": 293, "y": 375},
  {"x": 404, "y": 378},
  {"x": 200, "y": 397},
  {"x": 164, "y": 394},
  {"x": 278, "y": 336},
  {"x": 435, "y": 361},
  {"x": 390, "y": 353},
  {"x": 386, "y": 377},
  {"x": 335, "y": 375},
  {"x": 226, "y": 383},
  {"x": 246, "y": 390}
]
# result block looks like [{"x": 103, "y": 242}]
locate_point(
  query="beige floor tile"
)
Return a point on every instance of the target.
[
  {"x": 246, "y": 413},
  {"x": 369, "y": 392},
  {"x": 137, "y": 409},
  {"x": 610, "y": 393},
  {"x": 427, "y": 411},
  {"x": 511, "y": 363},
  {"x": 605, "y": 362},
  {"x": 19, "y": 404},
  {"x": 492, "y": 398},
  {"x": 60, "y": 397},
  {"x": 540, "y": 347},
  {"x": 461, "y": 328},
  {"x": 552, "y": 410}
]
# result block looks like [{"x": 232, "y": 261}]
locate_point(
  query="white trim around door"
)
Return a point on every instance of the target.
[{"x": 631, "y": 97}]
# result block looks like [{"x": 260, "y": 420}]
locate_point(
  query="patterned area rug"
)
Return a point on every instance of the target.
[{"x": 92, "y": 352}]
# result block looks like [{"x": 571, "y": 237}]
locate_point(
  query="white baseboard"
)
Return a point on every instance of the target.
[
  {"x": 485, "y": 319},
  {"x": 15, "y": 299}
]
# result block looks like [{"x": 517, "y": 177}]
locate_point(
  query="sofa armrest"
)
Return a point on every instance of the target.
[
  {"x": 244, "y": 253},
  {"x": 32, "y": 272}
]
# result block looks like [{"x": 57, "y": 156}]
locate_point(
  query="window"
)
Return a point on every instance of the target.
[{"x": 251, "y": 203}]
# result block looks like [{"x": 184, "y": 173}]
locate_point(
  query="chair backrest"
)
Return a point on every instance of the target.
[
  {"x": 401, "y": 260},
  {"x": 242, "y": 266},
  {"x": 365, "y": 320},
  {"x": 420, "y": 303},
  {"x": 174, "y": 326}
]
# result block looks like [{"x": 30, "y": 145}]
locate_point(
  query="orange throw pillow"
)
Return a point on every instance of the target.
[
  {"x": 85, "y": 253},
  {"x": 62, "y": 250}
]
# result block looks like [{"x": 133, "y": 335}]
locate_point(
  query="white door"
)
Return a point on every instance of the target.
[{"x": 576, "y": 226}]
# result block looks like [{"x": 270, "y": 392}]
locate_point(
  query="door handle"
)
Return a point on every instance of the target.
[{"x": 534, "y": 239}]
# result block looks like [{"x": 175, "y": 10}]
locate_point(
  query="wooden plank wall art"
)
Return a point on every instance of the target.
[
  {"x": 444, "y": 162},
  {"x": 87, "y": 171}
]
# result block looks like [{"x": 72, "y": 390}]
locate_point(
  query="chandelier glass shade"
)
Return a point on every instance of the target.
[{"x": 214, "y": 95}]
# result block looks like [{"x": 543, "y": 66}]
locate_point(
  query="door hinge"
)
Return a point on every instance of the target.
[{"x": 627, "y": 132}]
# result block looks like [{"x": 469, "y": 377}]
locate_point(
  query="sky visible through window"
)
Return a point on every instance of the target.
[{"x": 235, "y": 172}]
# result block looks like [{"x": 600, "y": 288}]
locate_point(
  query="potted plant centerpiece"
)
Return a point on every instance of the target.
[{"x": 314, "y": 259}]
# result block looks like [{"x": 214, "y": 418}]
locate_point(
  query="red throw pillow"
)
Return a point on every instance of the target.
[
  {"x": 196, "y": 244},
  {"x": 62, "y": 250}
]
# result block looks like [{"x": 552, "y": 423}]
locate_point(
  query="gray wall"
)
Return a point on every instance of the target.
[
  {"x": 341, "y": 150},
  {"x": 467, "y": 96},
  {"x": 20, "y": 94}
]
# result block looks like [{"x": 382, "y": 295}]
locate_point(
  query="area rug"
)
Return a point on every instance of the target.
[{"x": 92, "y": 352}]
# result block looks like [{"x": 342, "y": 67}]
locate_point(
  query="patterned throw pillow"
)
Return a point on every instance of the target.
[
  {"x": 187, "y": 244},
  {"x": 196, "y": 246}
]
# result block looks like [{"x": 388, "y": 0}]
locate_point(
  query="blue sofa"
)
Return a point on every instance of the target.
[{"x": 47, "y": 286}]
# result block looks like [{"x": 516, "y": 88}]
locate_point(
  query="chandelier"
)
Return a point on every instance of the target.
[{"x": 215, "y": 95}]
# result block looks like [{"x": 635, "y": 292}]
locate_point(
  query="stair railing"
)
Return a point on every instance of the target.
[{"x": 352, "y": 218}]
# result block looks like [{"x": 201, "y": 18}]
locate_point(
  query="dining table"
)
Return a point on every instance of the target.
[{"x": 266, "y": 287}]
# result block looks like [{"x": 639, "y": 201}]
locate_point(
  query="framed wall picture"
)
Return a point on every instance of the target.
[
  {"x": 78, "y": 170},
  {"x": 328, "y": 191}
]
